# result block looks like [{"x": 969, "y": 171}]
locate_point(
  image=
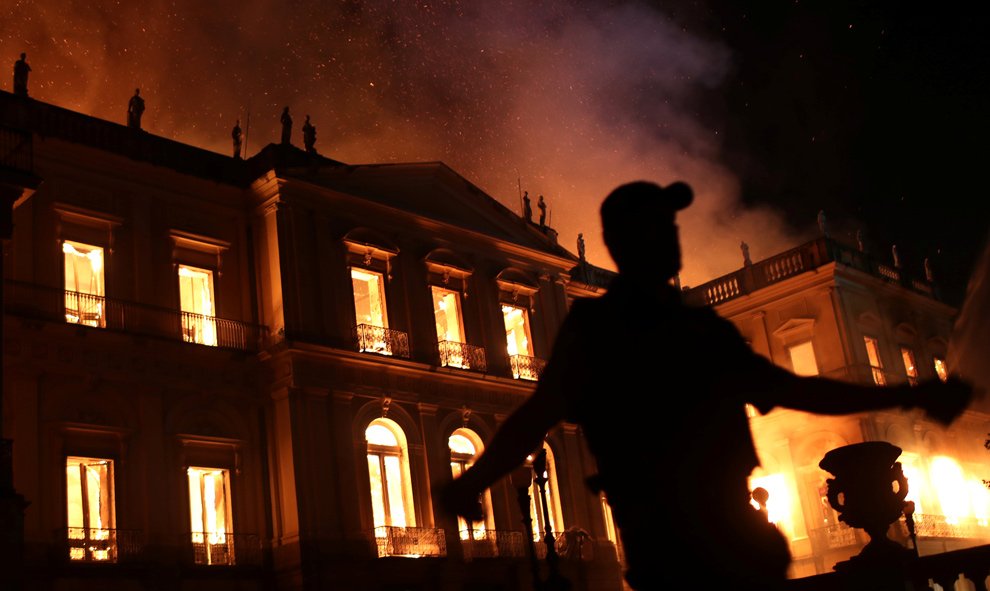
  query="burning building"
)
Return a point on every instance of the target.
[
  {"x": 835, "y": 310},
  {"x": 254, "y": 373}
]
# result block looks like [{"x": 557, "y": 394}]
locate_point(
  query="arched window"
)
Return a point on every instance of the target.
[
  {"x": 465, "y": 446},
  {"x": 552, "y": 499},
  {"x": 388, "y": 471}
]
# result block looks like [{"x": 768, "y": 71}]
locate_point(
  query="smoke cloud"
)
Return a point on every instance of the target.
[{"x": 564, "y": 99}]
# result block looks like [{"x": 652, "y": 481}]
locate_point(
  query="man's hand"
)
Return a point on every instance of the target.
[
  {"x": 460, "y": 498},
  {"x": 943, "y": 402}
]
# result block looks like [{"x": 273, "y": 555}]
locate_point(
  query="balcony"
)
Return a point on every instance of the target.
[
  {"x": 462, "y": 356},
  {"x": 382, "y": 341},
  {"x": 525, "y": 367},
  {"x": 57, "y": 305},
  {"x": 491, "y": 543},
  {"x": 411, "y": 542},
  {"x": 224, "y": 549},
  {"x": 801, "y": 259},
  {"x": 99, "y": 545}
]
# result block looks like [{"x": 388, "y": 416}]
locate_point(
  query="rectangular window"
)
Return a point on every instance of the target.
[
  {"x": 454, "y": 351},
  {"x": 518, "y": 342},
  {"x": 910, "y": 369},
  {"x": 370, "y": 312},
  {"x": 209, "y": 516},
  {"x": 369, "y": 297},
  {"x": 199, "y": 323},
  {"x": 387, "y": 504},
  {"x": 447, "y": 311},
  {"x": 940, "y": 370},
  {"x": 84, "y": 283},
  {"x": 873, "y": 354},
  {"x": 803, "y": 359},
  {"x": 90, "y": 509}
]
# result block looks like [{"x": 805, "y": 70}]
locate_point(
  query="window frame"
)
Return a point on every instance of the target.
[
  {"x": 400, "y": 451},
  {"x": 87, "y": 542}
]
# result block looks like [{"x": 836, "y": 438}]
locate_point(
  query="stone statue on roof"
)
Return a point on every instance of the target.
[
  {"x": 309, "y": 136},
  {"x": 21, "y": 71},
  {"x": 135, "y": 108},
  {"x": 286, "y": 126}
]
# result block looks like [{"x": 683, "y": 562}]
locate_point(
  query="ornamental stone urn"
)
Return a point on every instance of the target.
[{"x": 868, "y": 492}]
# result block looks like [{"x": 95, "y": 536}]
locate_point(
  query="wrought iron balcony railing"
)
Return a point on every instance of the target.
[
  {"x": 224, "y": 549},
  {"x": 99, "y": 544},
  {"x": 462, "y": 355},
  {"x": 494, "y": 543},
  {"x": 525, "y": 367},
  {"x": 834, "y": 536},
  {"x": 381, "y": 340},
  {"x": 410, "y": 541},
  {"x": 57, "y": 305}
]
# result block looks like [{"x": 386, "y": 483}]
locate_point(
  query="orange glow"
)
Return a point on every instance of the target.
[{"x": 780, "y": 506}]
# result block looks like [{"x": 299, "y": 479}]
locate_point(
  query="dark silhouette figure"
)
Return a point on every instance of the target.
[
  {"x": 237, "y": 136},
  {"x": 135, "y": 108},
  {"x": 543, "y": 212},
  {"x": 527, "y": 207},
  {"x": 21, "y": 71},
  {"x": 745, "y": 252},
  {"x": 689, "y": 477},
  {"x": 286, "y": 126},
  {"x": 309, "y": 136},
  {"x": 580, "y": 248}
]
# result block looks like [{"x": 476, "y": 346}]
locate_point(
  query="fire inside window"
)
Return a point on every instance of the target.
[
  {"x": 370, "y": 312},
  {"x": 462, "y": 454},
  {"x": 803, "y": 359},
  {"x": 199, "y": 323},
  {"x": 539, "y": 520},
  {"x": 450, "y": 323},
  {"x": 873, "y": 354},
  {"x": 940, "y": 370},
  {"x": 910, "y": 369},
  {"x": 84, "y": 284},
  {"x": 388, "y": 487},
  {"x": 90, "y": 509},
  {"x": 209, "y": 515},
  {"x": 518, "y": 341}
]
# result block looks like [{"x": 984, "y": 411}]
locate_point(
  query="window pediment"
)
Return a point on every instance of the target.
[
  {"x": 795, "y": 329},
  {"x": 445, "y": 262},
  {"x": 369, "y": 244},
  {"x": 515, "y": 283}
]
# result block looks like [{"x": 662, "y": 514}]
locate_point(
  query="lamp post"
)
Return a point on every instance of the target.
[
  {"x": 522, "y": 478},
  {"x": 554, "y": 581}
]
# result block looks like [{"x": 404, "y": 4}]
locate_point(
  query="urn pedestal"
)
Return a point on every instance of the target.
[{"x": 868, "y": 492}]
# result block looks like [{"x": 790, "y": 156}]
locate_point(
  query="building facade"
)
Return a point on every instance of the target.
[
  {"x": 255, "y": 373},
  {"x": 829, "y": 309}
]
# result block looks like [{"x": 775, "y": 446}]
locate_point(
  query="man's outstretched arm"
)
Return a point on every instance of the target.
[{"x": 941, "y": 402}]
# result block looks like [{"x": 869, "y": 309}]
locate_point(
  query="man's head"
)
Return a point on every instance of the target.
[
  {"x": 24, "y": 56},
  {"x": 639, "y": 230}
]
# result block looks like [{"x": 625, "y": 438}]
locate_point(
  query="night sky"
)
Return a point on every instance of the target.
[{"x": 772, "y": 111}]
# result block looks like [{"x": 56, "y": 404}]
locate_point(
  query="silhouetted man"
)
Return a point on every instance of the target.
[
  {"x": 527, "y": 207},
  {"x": 237, "y": 136},
  {"x": 681, "y": 474},
  {"x": 286, "y": 126},
  {"x": 21, "y": 71},
  {"x": 543, "y": 212},
  {"x": 135, "y": 108}
]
